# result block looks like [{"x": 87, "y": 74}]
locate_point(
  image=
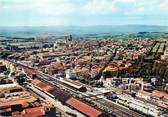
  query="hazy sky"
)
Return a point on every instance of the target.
[{"x": 83, "y": 12}]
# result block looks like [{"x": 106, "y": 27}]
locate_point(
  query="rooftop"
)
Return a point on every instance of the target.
[
  {"x": 42, "y": 85},
  {"x": 84, "y": 108},
  {"x": 30, "y": 112}
]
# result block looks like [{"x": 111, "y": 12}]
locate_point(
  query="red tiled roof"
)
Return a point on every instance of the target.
[
  {"x": 55, "y": 67},
  {"x": 35, "y": 82},
  {"x": 42, "y": 85},
  {"x": 144, "y": 92},
  {"x": 158, "y": 94},
  {"x": 84, "y": 108},
  {"x": 7, "y": 103},
  {"x": 29, "y": 72},
  {"x": 166, "y": 98},
  {"x": 30, "y": 112}
]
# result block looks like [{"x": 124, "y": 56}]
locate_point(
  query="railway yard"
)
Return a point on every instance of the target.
[{"x": 105, "y": 78}]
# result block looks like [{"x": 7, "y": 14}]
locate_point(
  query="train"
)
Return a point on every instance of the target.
[{"x": 140, "y": 106}]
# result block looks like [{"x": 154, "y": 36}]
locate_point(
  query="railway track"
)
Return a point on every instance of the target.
[
  {"x": 116, "y": 111},
  {"x": 126, "y": 112},
  {"x": 102, "y": 103},
  {"x": 60, "y": 113}
]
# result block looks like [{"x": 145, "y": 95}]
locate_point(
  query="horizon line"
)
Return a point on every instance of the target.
[{"x": 84, "y": 25}]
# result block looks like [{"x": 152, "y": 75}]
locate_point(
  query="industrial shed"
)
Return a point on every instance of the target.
[
  {"x": 84, "y": 108},
  {"x": 59, "y": 94},
  {"x": 41, "y": 85}
]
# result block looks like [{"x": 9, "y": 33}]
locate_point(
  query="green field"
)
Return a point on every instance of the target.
[
  {"x": 155, "y": 48},
  {"x": 161, "y": 48}
]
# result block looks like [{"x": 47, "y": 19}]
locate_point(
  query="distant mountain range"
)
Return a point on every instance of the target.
[{"x": 31, "y": 31}]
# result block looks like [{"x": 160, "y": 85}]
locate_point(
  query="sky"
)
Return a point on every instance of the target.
[{"x": 83, "y": 12}]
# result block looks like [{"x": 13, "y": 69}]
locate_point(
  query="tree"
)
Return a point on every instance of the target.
[
  {"x": 83, "y": 80},
  {"x": 99, "y": 84}
]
